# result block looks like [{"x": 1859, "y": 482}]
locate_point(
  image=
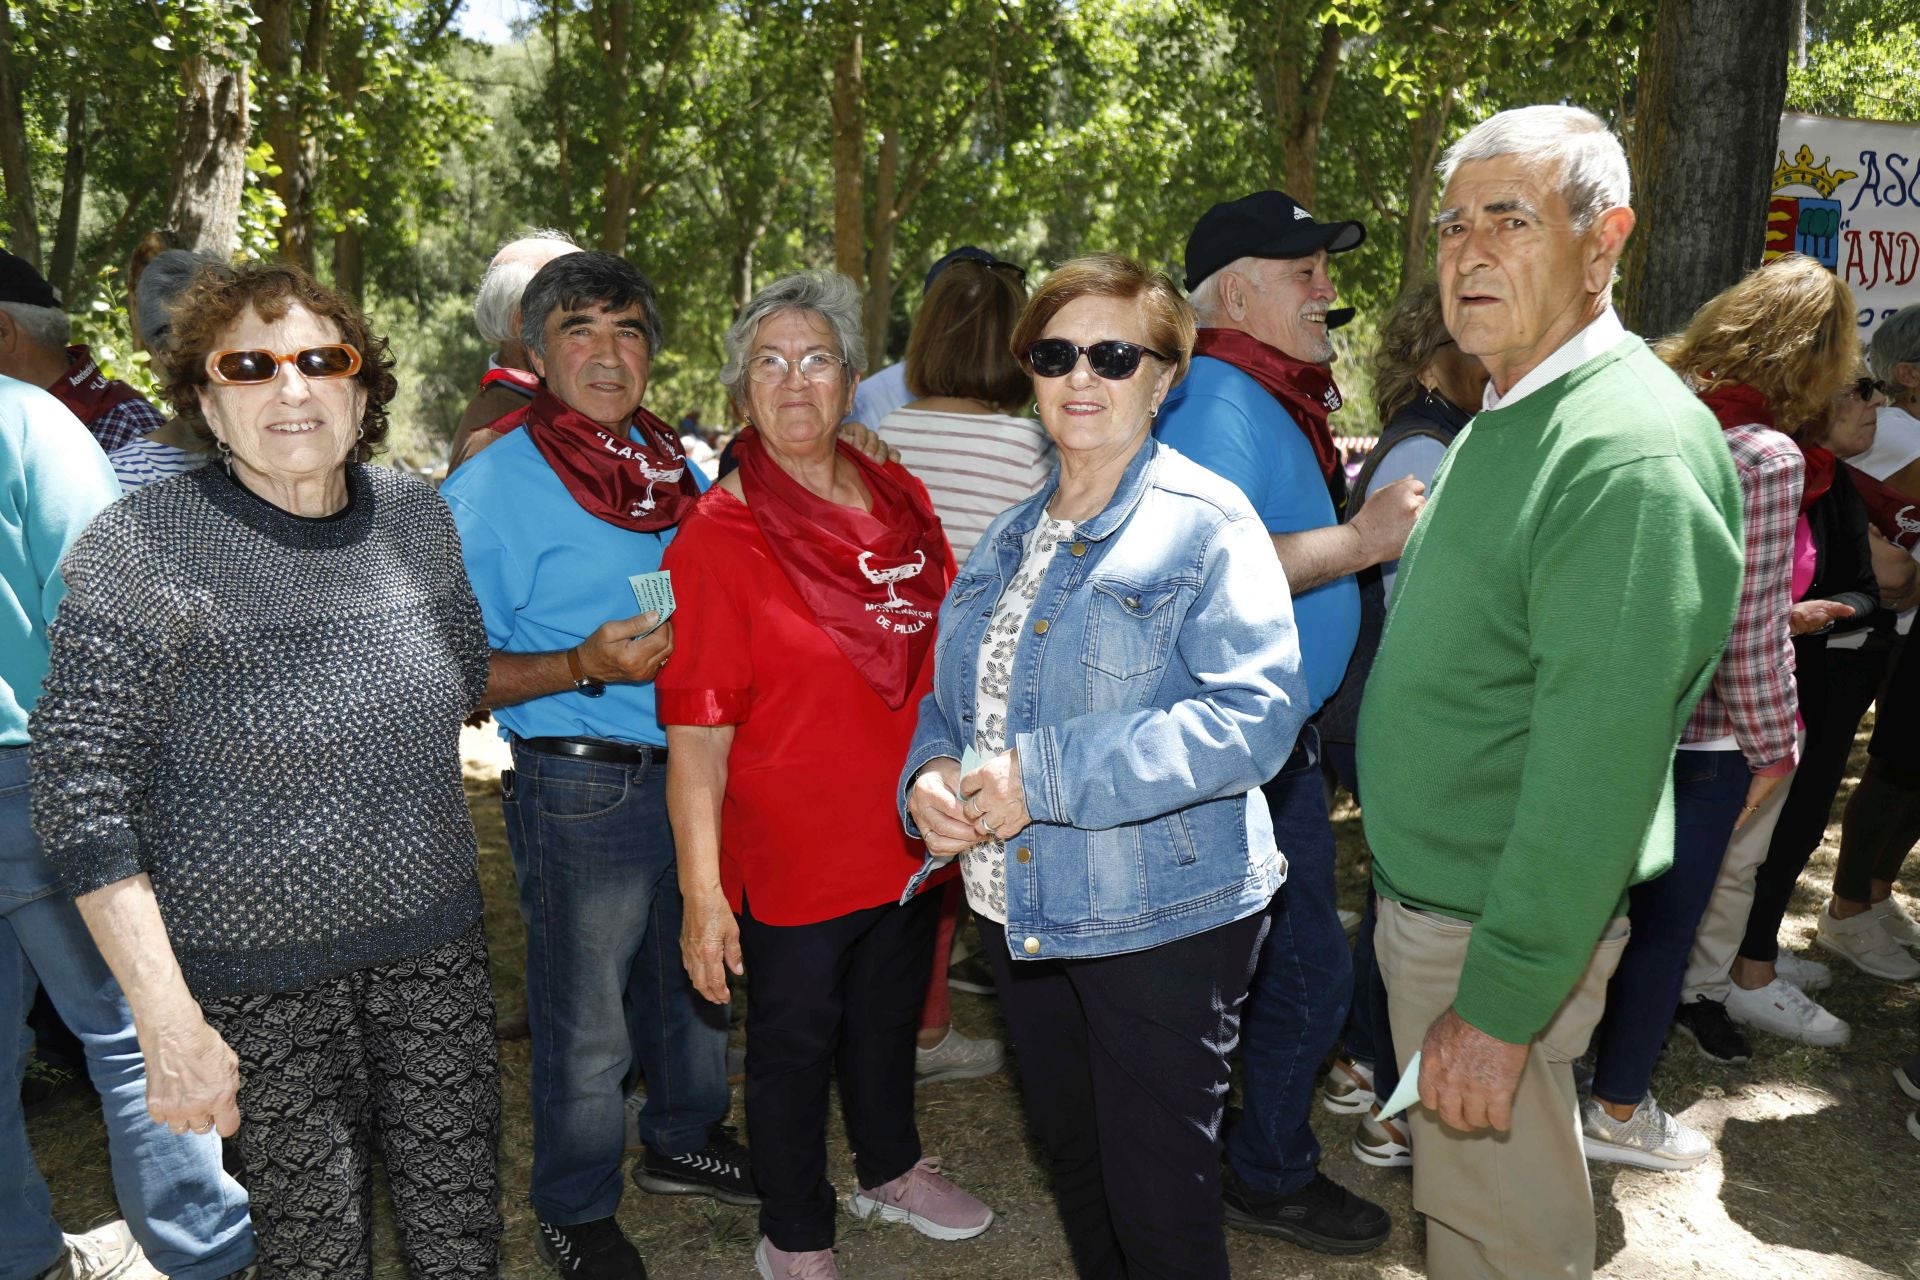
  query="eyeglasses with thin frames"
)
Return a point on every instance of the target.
[{"x": 815, "y": 366}]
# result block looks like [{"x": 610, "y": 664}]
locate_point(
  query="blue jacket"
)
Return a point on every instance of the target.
[{"x": 1156, "y": 686}]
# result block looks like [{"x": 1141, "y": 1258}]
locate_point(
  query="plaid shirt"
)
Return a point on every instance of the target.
[
  {"x": 124, "y": 423},
  {"x": 1753, "y": 695}
]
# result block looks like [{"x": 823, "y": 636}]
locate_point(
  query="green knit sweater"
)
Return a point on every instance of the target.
[{"x": 1561, "y": 605}]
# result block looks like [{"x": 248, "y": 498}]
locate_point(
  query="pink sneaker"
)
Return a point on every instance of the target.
[
  {"x": 778, "y": 1264},
  {"x": 926, "y": 1201}
]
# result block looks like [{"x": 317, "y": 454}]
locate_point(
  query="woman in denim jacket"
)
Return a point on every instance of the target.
[{"x": 1119, "y": 654}]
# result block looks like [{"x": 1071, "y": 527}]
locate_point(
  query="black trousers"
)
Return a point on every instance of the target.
[
  {"x": 399, "y": 1057},
  {"x": 1123, "y": 1072},
  {"x": 1832, "y": 708},
  {"x": 842, "y": 993}
]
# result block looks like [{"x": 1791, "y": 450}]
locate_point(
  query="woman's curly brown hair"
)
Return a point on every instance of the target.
[
  {"x": 1787, "y": 329},
  {"x": 223, "y": 295},
  {"x": 1412, "y": 332}
]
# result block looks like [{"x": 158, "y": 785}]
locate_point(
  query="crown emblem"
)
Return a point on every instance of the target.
[{"x": 1801, "y": 173}]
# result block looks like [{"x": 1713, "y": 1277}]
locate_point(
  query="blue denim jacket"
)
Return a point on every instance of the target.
[{"x": 1157, "y": 684}]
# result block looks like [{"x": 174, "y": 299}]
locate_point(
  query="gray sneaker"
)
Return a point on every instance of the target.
[
  {"x": 1649, "y": 1138},
  {"x": 1862, "y": 940},
  {"x": 957, "y": 1057}
]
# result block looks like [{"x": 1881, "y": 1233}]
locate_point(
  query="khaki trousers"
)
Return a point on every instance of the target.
[
  {"x": 1725, "y": 923},
  {"x": 1514, "y": 1205}
]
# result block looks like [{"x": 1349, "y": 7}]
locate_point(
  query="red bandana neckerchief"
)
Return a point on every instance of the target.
[
  {"x": 86, "y": 391},
  {"x": 873, "y": 580},
  {"x": 642, "y": 485},
  {"x": 518, "y": 381},
  {"x": 1893, "y": 513},
  {"x": 1307, "y": 390},
  {"x": 1739, "y": 405}
]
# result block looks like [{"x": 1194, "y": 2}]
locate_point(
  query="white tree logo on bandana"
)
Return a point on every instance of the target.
[
  {"x": 654, "y": 476},
  {"x": 892, "y": 614}
]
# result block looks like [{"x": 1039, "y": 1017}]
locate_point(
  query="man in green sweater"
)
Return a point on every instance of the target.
[{"x": 1560, "y": 606}]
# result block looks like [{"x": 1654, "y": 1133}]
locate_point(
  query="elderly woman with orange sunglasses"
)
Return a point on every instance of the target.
[{"x": 246, "y": 771}]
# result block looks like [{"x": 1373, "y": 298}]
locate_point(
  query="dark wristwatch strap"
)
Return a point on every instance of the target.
[{"x": 582, "y": 682}]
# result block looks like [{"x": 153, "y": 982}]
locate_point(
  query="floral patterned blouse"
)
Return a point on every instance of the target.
[{"x": 983, "y": 868}]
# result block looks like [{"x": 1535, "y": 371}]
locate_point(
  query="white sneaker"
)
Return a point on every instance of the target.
[
  {"x": 105, "y": 1253},
  {"x": 1784, "y": 1010},
  {"x": 1384, "y": 1144},
  {"x": 1649, "y": 1138},
  {"x": 1348, "y": 1090},
  {"x": 1908, "y": 1085},
  {"x": 1895, "y": 921},
  {"x": 1862, "y": 940},
  {"x": 1808, "y": 975}
]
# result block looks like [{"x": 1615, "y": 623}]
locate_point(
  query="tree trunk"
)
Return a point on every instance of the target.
[
  {"x": 886, "y": 222},
  {"x": 210, "y": 166},
  {"x": 1427, "y": 133},
  {"x": 346, "y": 72},
  {"x": 288, "y": 103},
  {"x": 848, "y": 103},
  {"x": 1296, "y": 84},
  {"x": 1713, "y": 78},
  {"x": 616, "y": 175},
  {"x": 556, "y": 91},
  {"x": 1800, "y": 34},
  {"x": 349, "y": 265},
  {"x": 73, "y": 185},
  {"x": 16, "y": 167}
]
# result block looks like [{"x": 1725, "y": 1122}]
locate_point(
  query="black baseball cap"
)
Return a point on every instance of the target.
[
  {"x": 19, "y": 282},
  {"x": 1266, "y": 224},
  {"x": 969, "y": 253}
]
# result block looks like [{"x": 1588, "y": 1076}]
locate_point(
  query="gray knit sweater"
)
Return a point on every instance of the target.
[{"x": 263, "y": 713}]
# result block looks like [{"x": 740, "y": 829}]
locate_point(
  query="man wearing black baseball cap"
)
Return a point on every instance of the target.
[
  {"x": 34, "y": 330},
  {"x": 1254, "y": 408},
  {"x": 886, "y": 390}
]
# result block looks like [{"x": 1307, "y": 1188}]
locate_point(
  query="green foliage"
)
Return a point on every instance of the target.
[{"x": 1038, "y": 128}]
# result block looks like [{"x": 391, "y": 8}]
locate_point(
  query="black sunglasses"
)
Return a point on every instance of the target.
[
  {"x": 1112, "y": 359},
  {"x": 1867, "y": 387}
]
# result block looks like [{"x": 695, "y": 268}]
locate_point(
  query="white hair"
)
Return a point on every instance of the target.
[
  {"x": 1205, "y": 296},
  {"x": 498, "y": 297},
  {"x": 827, "y": 294},
  {"x": 1896, "y": 341},
  {"x": 43, "y": 326},
  {"x": 1574, "y": 142}
]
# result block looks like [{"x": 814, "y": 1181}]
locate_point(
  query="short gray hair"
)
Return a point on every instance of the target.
[
  {"x": 1575, "y": 142},
  {"x": 1896, "y": 341},
  {"x": 827, "y": 294},
  {"x": 168, "y": 276},
  {"x": 1204, "y": 298},
  {"x": 44, "y": 326},
  {"x": 500, "y": 289}
]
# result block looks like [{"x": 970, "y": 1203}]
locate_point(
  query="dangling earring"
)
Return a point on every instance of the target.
[
  {"x": 1154, "y": 412},
  {"x": 226, "y": 454},
  {"x": 360, "y": 432}
]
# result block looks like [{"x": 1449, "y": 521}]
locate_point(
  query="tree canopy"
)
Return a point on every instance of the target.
[{"x": 718, "y": 144}]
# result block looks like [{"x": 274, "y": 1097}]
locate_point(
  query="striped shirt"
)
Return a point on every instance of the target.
[
  {"x": 975, "y": 465},
  {"x": 142, "y": 461}
]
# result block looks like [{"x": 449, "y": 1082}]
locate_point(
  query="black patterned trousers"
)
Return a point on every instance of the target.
[{"x": 397, "y": 1059}]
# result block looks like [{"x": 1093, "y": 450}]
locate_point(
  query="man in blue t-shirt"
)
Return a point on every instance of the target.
[
  {"x": 1254, "y": 408},
  {"x": 554, "y": 520}
]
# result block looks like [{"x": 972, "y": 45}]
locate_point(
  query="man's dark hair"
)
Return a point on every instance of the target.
[{"x": 588, "y": 279}]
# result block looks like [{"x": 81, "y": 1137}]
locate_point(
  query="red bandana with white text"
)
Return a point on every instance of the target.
[
  {"x": 639, "y": 484},
  {"x": 85, "y": 390},
  {"x": 873, "y": 580}
]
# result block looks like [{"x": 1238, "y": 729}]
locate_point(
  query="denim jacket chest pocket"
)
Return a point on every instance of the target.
[{"x": 1128, "y": 638}]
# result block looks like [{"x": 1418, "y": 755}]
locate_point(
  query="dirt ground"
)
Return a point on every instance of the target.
[{"x": 1815, "y": 1176}]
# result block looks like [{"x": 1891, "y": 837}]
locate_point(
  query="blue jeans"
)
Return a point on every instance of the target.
[
  {"x": 1301, "y": 988},
  {"x": 1708, "y": 789},
  {"x": 605, "y": 987},
  {"x": 190, "y": 1217}
]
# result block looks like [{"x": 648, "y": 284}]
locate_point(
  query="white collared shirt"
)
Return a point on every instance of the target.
[{"x": 1598, "y": 337}]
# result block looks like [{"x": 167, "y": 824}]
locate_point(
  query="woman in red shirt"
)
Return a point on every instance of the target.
[{"x": 807, "y": 581}]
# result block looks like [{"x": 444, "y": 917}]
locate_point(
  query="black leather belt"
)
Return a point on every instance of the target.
[{"x": 596, "y": 749}]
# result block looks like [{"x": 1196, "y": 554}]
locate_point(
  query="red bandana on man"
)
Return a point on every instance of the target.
[
  {"x": 1738, "y": 405},
  {"x": 86, "y": 391},
  {"x": 874, "y": 580},
  {"x": 639, "y": 484},
  {"x": 1305, "y": 389}
]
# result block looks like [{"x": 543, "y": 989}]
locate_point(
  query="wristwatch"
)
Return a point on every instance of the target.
[{"x": 582, "y": 682}]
